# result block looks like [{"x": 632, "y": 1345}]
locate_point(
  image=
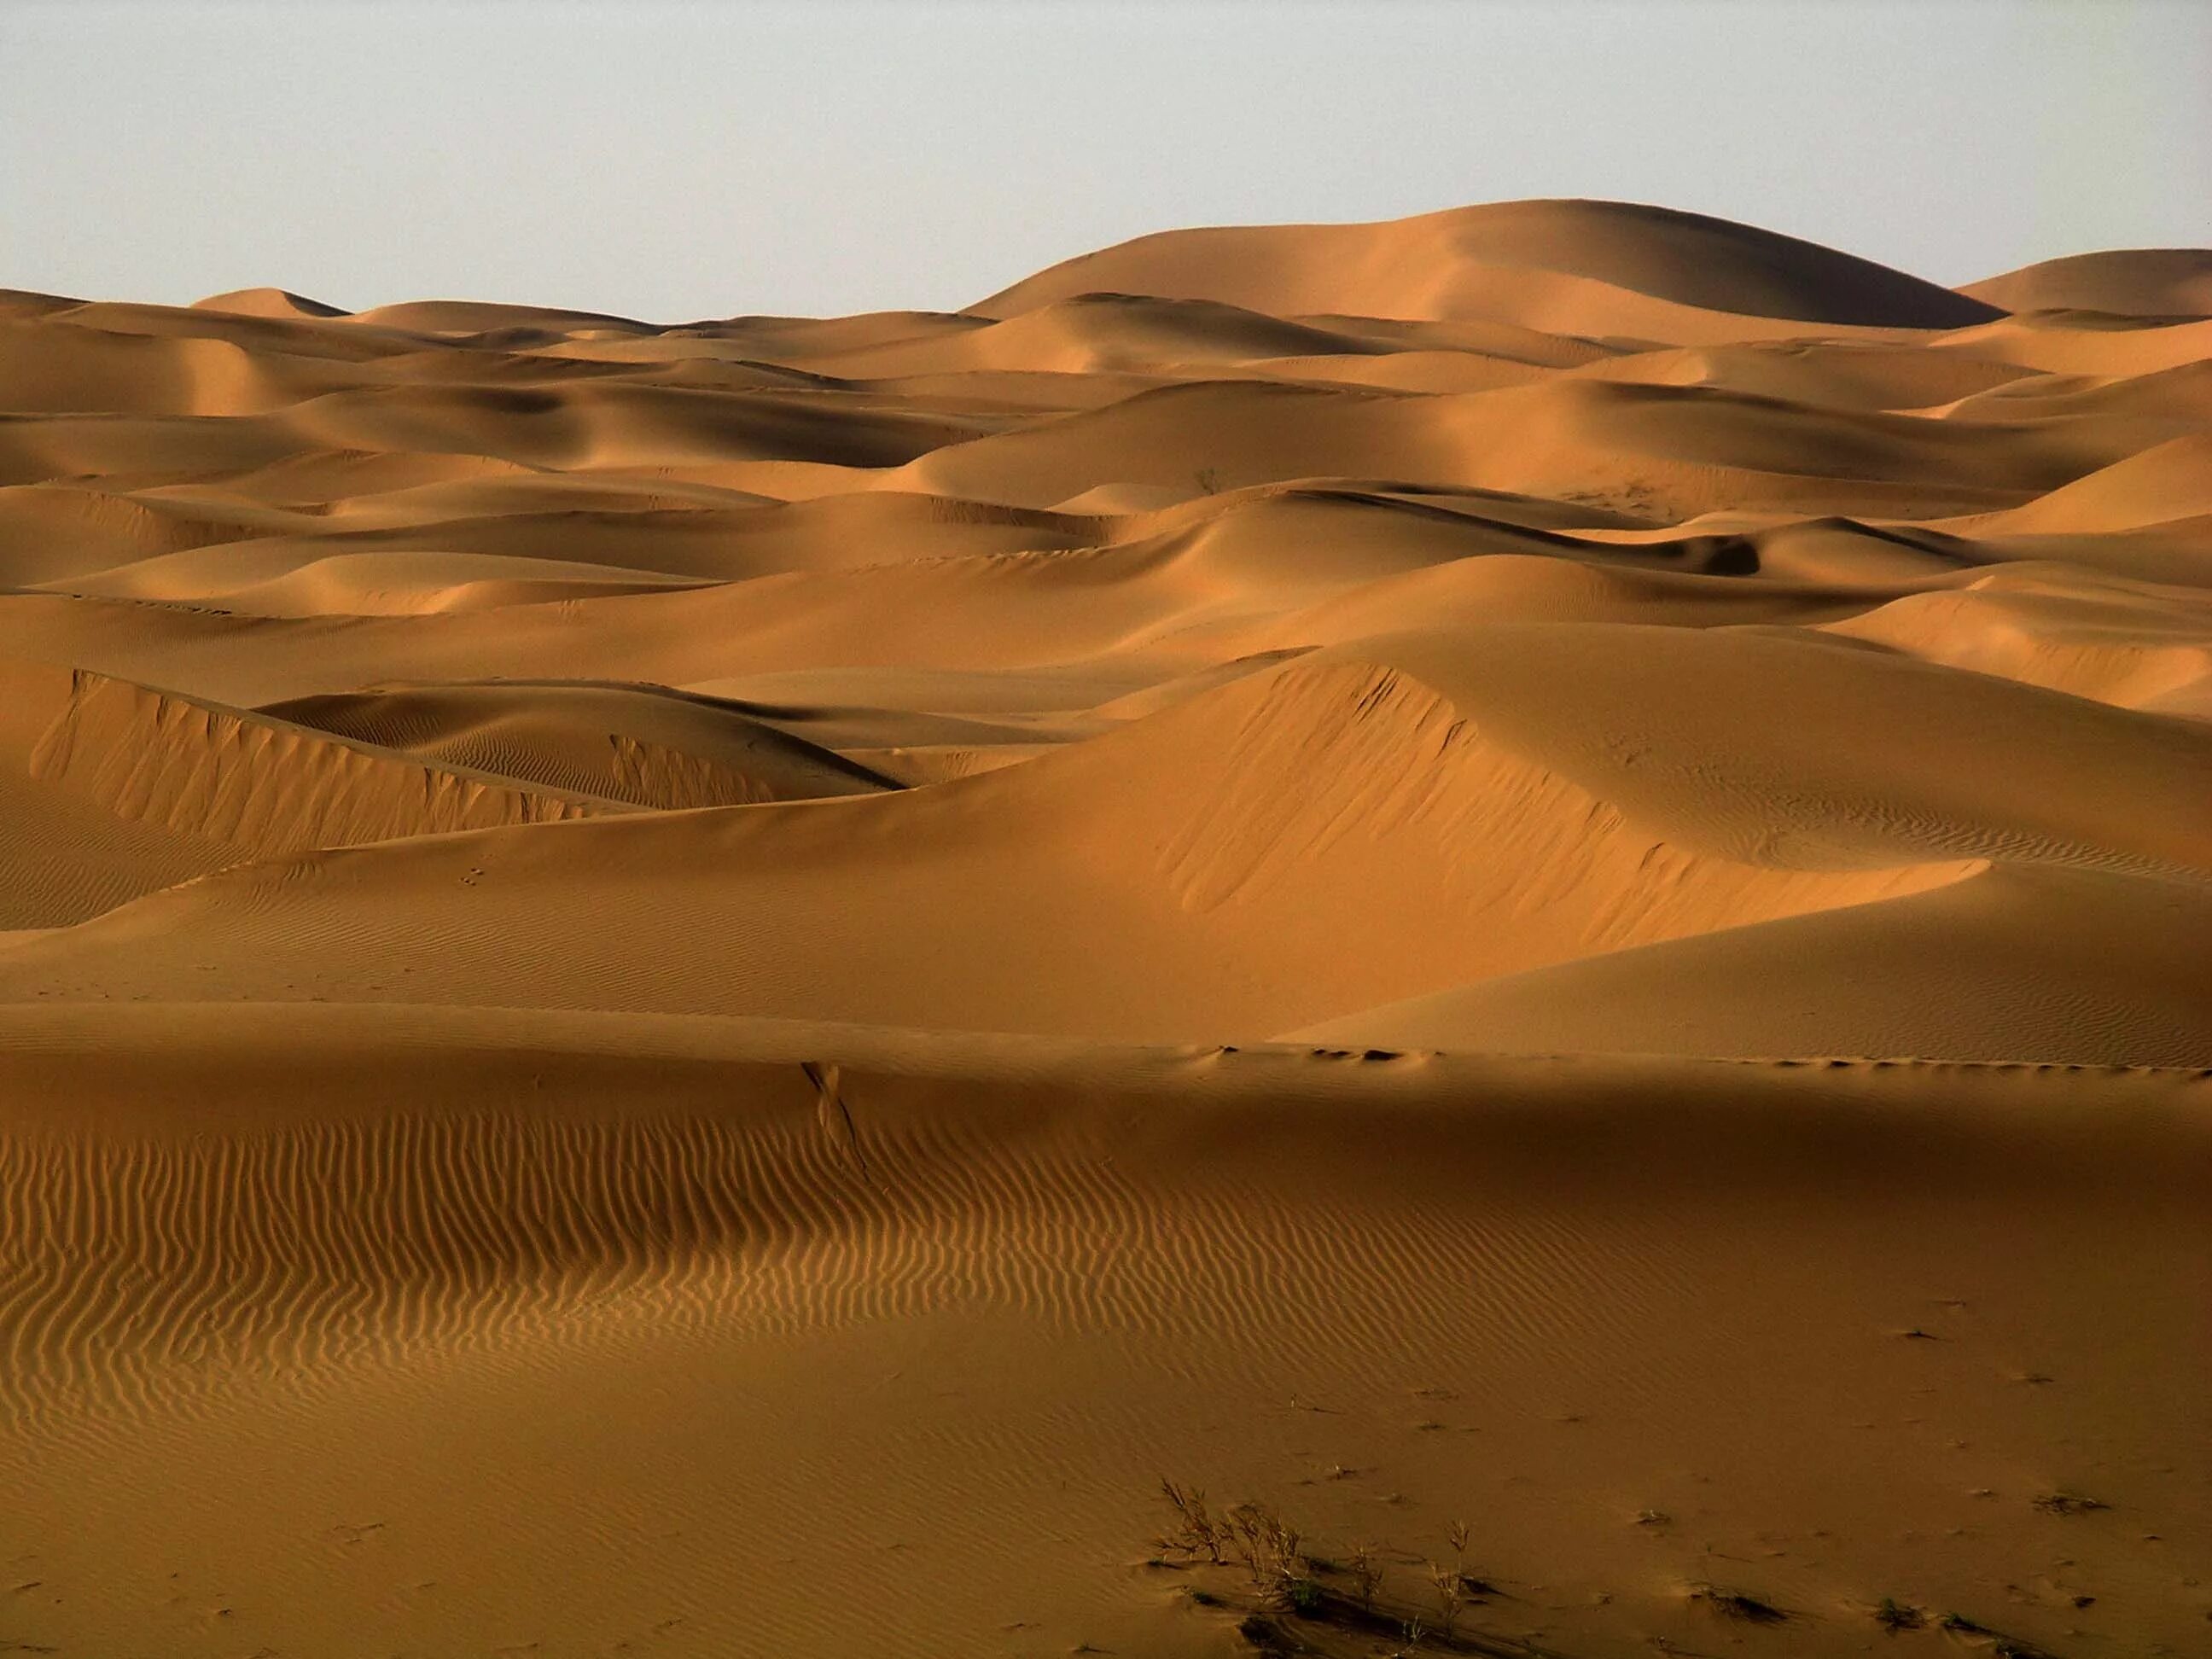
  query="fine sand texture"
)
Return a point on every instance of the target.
[{"x": 1530, "y": 886}]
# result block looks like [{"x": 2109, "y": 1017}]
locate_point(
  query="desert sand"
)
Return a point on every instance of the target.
[{"x": 714, "y": 988}]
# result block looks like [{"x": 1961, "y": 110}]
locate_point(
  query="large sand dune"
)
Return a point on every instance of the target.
[{"x": 710, "y": 988}]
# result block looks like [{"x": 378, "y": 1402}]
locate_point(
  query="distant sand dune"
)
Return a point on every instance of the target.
[
  {"x": 1493, "y": 261},
  {"x": 2136, "y": 281}
]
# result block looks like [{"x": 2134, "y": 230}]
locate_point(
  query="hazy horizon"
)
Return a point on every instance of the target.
[{"x": 673, "y": 161}]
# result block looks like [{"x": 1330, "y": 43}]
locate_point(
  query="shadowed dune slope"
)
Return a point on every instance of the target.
[{"x": 632, "y": 744}]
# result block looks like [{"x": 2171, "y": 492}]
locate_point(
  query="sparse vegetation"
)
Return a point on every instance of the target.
[
  {"x": 2066, "y": 1503},
  {"x": 1366, "y": 1573},
  {"x": 1293, "y": 1600},
  {"x": 2002, "y": 1646},
  {"x": 1450, "y": 1596},
  {"x": 1195, "y": 1533},
  {"x": 1738, "y": 1604},
  {"x": 1893, "y": 1615},
  {"x": 1263, "y": 1635},
  {"x": 1269, "y": 1547}
]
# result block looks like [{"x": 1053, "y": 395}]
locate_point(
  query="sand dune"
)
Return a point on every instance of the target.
[
  {"x": 1503, "y": 260},
  {"x": 2087, "y": 969},
  {"x": 2165, "y": 483},
  {"x": 638, "y": 743},
  {"x": 106, "y": 775},
  {"x": 1546, "y": 865},
  {"x": 2131, "y": 281},
  {"x": 1302, "y": 840},
  {"x": 268, "y": 302}
]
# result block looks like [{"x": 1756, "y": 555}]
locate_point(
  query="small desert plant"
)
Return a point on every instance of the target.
[
  {"x": 1196, "y": 1532},
  {"x": 1263, "y": 1635},
  {"x": 2001, "y": 1645},
  {"x": 1739, "y": 1604},
  {"x": 1209, "y": 480},
  {"x": 1451, "y": 1593},
  {"x": 1269, "y": 1547},
  {"x": 1366, "y": 1575},
  {"x": 2068, "y": 1502},
  {"x": 1893, "y": 1615},
  {"x": 1458, "y": 1536}
]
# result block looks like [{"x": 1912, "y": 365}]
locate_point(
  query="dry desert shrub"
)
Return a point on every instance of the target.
[
  {"x": 1451, "y": 1596},
  {"x": 1196, "y": 1533},
  {"x": 1366, "y": 1574},
  {"x": 2001, "y": 1645},
  {"x": 2068, "y": 1502},
  {"x": 1738, "y": 1604},
  {"x": 1893, "y": 1615},
  {"x": 1269, "y": 1547},
  {"x": 1301, "y": 1603}
]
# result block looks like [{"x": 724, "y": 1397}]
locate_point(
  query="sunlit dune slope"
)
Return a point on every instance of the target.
[{"x": 1312, "y": 838}]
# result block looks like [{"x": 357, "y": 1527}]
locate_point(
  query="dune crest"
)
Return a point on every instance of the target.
[{"x": 268, "y": 302}]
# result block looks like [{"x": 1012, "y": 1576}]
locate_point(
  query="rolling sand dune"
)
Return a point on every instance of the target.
[
  {"x": 103, "y": 774},
  {"x": 712, "y": 989},
  {"x": 1491, "y": 261},
  {"x": 2170, "y": 282}
]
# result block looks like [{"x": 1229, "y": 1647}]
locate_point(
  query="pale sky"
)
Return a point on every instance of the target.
[{"x": 678, "y": 161}]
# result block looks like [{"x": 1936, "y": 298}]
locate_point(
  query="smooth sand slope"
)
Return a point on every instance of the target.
[{"x": 711, "y": 989}]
